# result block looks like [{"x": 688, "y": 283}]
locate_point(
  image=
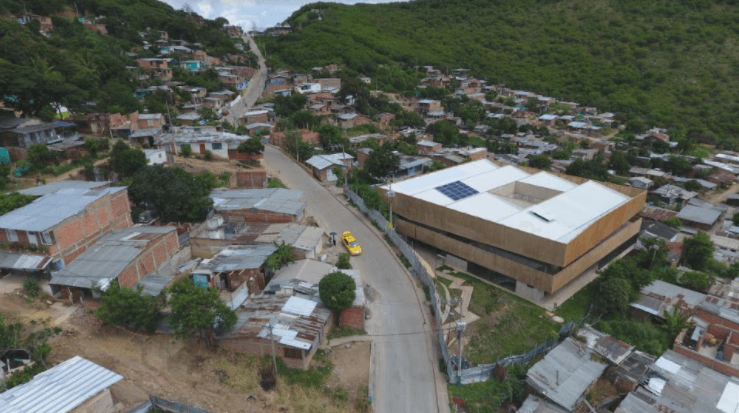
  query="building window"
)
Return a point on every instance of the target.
[
  {"x": 293, "y": 353},
  {"x": 46, "y": 238},
  {"x": 32, "y": 238},
  {"x": 12, "y": 235},
  {"x": 150, "y": 122},
  {"x": 216, "y": 146}
]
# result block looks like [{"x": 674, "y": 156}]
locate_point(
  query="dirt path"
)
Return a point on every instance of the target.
[{"x": 718, "y": 198}]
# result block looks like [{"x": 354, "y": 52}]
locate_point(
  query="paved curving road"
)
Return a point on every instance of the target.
[
  {"x": 406, "y": 376},
  {"x": 254, "y": 91}
]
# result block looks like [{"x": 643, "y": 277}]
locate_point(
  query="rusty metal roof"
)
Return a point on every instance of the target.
[{"x": 289, "y": 328}]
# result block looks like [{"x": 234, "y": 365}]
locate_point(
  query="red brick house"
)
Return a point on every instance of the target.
[
  {"x": 351, "y": 120},
  {"x": 66, "y": 219},
  {"x": 127, "y": 256},
  {"x": 150, "y": 120}
]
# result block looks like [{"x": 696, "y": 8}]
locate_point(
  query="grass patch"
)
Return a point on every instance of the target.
[
  {"x": 700, "y": 151},
  {"x": 340, "y": 332},
  {"x": 389, "y": 241},
  {"x": 404, "y": 260},
  {"x": 491, "y": 396},
  {"x": 578, "y": 305},
  {"x": 314, "y": 377},
  {"x": 508, "y": 325},
  {"x": 275, "y": 183},
  {"x": 427, "y": 293}
]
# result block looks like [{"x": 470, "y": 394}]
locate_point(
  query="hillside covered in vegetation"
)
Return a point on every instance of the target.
[
  {"x": 669, "y": 63},
  {"x": 73, "y": 65}
]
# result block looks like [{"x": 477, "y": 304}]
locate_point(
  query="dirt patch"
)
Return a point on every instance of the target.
[
  {"x": 351, "y": 368},
  {"x": 188, "y": 373},
  {"x": 215, "y": 165}
]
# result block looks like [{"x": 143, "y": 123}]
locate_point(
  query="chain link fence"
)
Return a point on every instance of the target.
[{"x": 467, "y": 375}]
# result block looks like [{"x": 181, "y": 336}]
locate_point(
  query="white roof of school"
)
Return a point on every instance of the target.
[
  {"x": 571, "y": 210},
  {"x": 60, "y": 389}
]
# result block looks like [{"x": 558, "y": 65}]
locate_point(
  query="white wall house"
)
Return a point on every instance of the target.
[{"x": 155, "y": 156}]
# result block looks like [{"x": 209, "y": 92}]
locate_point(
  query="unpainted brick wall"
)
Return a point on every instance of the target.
[
  {"x": 250, "y": 179},
  {"x": 352, "y": 317}
]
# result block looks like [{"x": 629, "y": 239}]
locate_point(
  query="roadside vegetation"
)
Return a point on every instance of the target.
[{"x": 508, "y": 325}]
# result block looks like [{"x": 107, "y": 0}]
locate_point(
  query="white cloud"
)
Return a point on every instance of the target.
[{"x": 264, "y": 13}]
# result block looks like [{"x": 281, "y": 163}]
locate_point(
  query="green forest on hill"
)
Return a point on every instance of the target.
[
  {"x": 74, "y": 65},
  {"x": 667, "y": 63}
]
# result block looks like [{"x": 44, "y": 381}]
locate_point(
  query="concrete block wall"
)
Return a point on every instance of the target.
[{"x": 258, "y": 216}]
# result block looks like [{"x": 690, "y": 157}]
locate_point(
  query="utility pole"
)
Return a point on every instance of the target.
[
  {"x": 272, "y": 340},
  {"x": 390, "y": 196}
]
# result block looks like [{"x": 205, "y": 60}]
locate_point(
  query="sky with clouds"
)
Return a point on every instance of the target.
[{"x": 265, "y": 13}]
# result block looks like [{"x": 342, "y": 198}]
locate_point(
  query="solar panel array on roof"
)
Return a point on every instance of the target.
[{"x": 457, "y": 190}]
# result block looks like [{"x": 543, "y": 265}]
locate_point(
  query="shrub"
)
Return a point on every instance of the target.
[
  {"x": 186, "y": 151},
  {"x": 343, "y": 262},
  {"x": 32, "y": 287},
  {"x": 208, "y": 155}
]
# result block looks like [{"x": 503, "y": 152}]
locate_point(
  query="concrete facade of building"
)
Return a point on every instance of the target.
[{"x": 541, "y": 229}]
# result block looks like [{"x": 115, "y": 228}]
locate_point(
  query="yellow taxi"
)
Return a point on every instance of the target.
[{"x": 350, "y": 243}]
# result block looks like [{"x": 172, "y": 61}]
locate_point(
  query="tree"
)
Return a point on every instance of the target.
[
  {"x": 673, "y": 222},
  {"x": 619, "y": 163},
  {"x": 540, "y": 162},
  {"x": 130, "y": 308},
  {"x": 337, "y": 291},
  {"x": 252, "y": 146},
  {"x": 176, "y": 194},
  {"x": 186, "y": 151},
  {"x": 678, "y": 165},
  {"x": 697, "y": 251},
  {"x": 698, "y": 281},
  {"x": 128, "y": 162},
  {"x": 284, "y": 255},
  {"x": 382, "y": 162},
  {"x": 676, "y": 322},
  {"x": 197, "y": 310},
  {"x": 446, "y": 134},
  {"x": 12, "y": 336},
  {"x": 39, "y": 155},
  {"x": 207, "y": 114},
  {"x": 735, "y": 219},
  {"x": 614, "y": 296},
  {"x": 693, "y": 185}
]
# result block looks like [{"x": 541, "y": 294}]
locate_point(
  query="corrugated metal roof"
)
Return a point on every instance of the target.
[
  {"x": 23, "y": 261},
  {"x": 257, "y": 313},
  {"x": 54, "y": 187},
  {"x": 299, "y": 306},
  {"x": 51, "y": 209},
  {"x": 699, "y": 215},
  {"x": 105, "y": 260},
  {"x": 683, "y": 385},
  {"x": 612, "y": 349},
  {"x": 154, "y": 284},
  {"x": 60, "y": 389},
  {"x": 237, "y": 258},
  {"x": 533, "y": 404},
  {"x": 565, "y": 373},
  {"x": 280, "y": 200}
]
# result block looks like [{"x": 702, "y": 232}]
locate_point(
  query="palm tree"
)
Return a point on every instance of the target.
[{"x": 676, "y": 322}]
